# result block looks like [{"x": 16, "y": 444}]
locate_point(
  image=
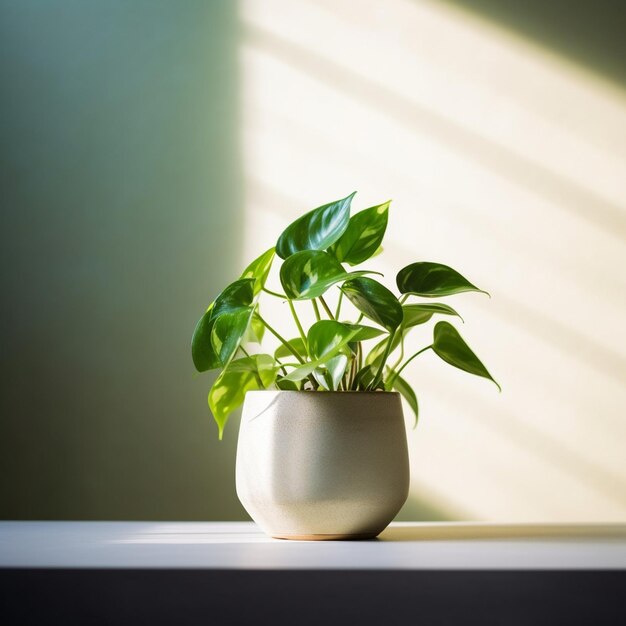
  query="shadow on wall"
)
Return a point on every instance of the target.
[
  {"x": 504, "y": 160},
  {"x": 590, "y": 33}
]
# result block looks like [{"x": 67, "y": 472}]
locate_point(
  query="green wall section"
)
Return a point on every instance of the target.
[{"x": 120, "y": 209}]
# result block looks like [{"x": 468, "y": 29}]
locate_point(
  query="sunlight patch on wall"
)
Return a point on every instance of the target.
[{"x": 506, "y": 162}]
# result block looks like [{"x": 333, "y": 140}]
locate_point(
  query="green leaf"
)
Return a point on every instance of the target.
[
  {"x": 451, "y": 347},
  {"x": 288, "y": 385},
  {"x": 259, "y": 270},
  {"x": 375, "y": 301},
  {"x": 236, "y": 296},
  {"x": 326, "y": 335},
  {"x": 228, "y": 332},
  {"x": 363, "y": 237},
  {"x": 432, "y": 280},
  {"x": 240, "y": 376},
  {"x": 364, "y": 332},
  {"x": 308, "y": 274},
  {"x": 297, "y": 344},
  {"x": 414, "y": 314},
  {"x": 326, "y": 339},
  {"x": 376, "y": 353},
  {"x": 329, "y": 374},
  {"x": 204, "y": 356},
  {"x": 256, "y": 330},
  {"x": 365, "y": 377},
  {"x": 317, "y": 230},
  {"x": 401, "y": 385}
]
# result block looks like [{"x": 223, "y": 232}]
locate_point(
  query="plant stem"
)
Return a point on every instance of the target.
[
  {"x": 275, "y": 294},
  {"x": 295, "y": 317},
  {"x": 379, "y": 374},
  {"x": 396, "y": 374},
  {"x": 326, "y": 308},
  {"x": 393, "y": 367},
  {"x": 256, "y": 373},
  {"x": 404, "y": 298},
  {"x": 316, "y": 309},
  {"x": 339, "y": 304},
  {"x": 281, "y": 339},
  {"x": 358, "y": 321}
]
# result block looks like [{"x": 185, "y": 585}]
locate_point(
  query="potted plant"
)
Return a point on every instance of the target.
[{"x": 322, "y": 450}]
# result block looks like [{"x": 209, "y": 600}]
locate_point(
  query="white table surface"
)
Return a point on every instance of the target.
[{"x": 242, "y": 546}]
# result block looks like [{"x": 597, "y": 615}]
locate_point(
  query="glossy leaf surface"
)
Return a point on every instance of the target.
[
  {"x": 432, "y": 280},
  {"x": 308, "y": 274},
  {"x": 317, "y": 230},
  {"x": 228, "y": 332},
  {"x": 326, "y": 340},
  {"x": 240, "y": 376},
  {"x": 414, "y": 314},
  {"x": 374, "y": 301},
  {"x": 364, "y": 332},
  {"x": 236, "y": 296},
  {"x": 282, "y": 352},
  {"x": 363, "y": 237},
  {"x": 259, "y": 270},
  {"x": 451, "y": 347},
  {"x": 326, "y": 335}
]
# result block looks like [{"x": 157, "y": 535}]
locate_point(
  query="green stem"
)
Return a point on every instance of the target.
[
  {"x": 316, "y": 309},
  {"x": 275, "y": 294},
  {"x": 326, "y": 308},
  {"x": 300, "y": 330},
  {"x": 358, "y": 321},
  {"x": 281, "y": 339},
  {"x": 393, "y": 367},
  {"x": 396, "y": 374},
  {"x": 404, "y": 298},
  {"x": 379, "y": 374},
  {"x": 256, "y": 373},
  {"x": 339, "y": 304}
]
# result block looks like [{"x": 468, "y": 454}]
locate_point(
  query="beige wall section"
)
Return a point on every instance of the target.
[{"x": 504, "y": 160}]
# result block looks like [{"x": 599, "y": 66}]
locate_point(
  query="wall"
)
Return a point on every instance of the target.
[
  {"x": 505, "y": 158},
  {"x": 120, "y": 220},
  {"x": 150, "y": 149}
]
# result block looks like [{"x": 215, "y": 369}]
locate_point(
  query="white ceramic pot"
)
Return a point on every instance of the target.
[{"x": 322, "y": 465}]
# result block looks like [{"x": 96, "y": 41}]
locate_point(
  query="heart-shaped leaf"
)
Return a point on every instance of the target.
[
  {"x": 204, "y": 356},
  {"x": 282, "y": 352},
  {"x": 326, "y": 339},
  {"x": 364, "y": 332},
  {"x": 451, "y": 347},
  {"x": 375, "y": 301},
  {"x": 259, "y": 270},
  {"x": 363, "y": 236},
  {"x": 325, "y": 335},
  {"x": 317, "y": 230},
  {"x": 238, "y": 295},
  {"x": 432, "y": 280},
  {"x": 240, "y": 376},
  {"x": 330, "y": 374},
  {"x": 228, "y": 332},
  {"x": 308, "y": 274},
  {"x": 414, "y": 314}
]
